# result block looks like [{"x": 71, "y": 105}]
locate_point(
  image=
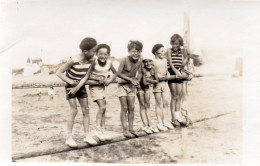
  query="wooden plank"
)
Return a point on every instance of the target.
[{"x": 65, "y": 148}]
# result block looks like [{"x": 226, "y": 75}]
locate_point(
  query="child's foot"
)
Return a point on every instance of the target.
[
  {"x": 127, "y": 134},
  {"x": 71, "y": 143},
  {"x": 161, "y": 127},
  {"x": 88, "y": 139},
  {"x": 175, "y": 123},
  {"x": 100, "y": 135},
  {"x": 182, "y": 120},
  {"x": 147, "y": 130},
  {"x": 134, "y": 133},
  {"x": 107, "y": 136},
  {"x": 169, "y": 126},
  {"x": 154, "y": 129}
]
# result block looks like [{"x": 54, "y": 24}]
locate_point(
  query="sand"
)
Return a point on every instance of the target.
[{"x": 41, "y": 125}]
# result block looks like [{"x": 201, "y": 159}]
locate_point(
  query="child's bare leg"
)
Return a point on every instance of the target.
[
  {"x": 147, "y": 107},
  {"x": 123, "y": 114},
  {"x": 103, "y": 120},
  {"x": 85, "y": 112},
  {"x": 100, "y": 114},
  {"x": 179, "y": 89},
  {"x": 131, "y": 108},
  {"x": 140, "y": 97},
  {"x": 72, "y": 114},
  {"x": 173, "y": 100},
  {"x": 158, "y": 108},
  {"x": 165, "y": 104}
]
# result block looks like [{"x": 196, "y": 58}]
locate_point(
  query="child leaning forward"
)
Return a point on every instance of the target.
[
  {"x": 71, "y": 72},
  {"x": 98, "y": 80}
]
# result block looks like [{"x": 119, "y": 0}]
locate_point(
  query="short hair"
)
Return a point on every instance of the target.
[
  {"x": 103, "y": 46},
  {"x": 135, "y": 44},
  {"x": 176, "y": 37},
  {"x": 87, "y": 43},
  {"x": 156, "y": 47}
]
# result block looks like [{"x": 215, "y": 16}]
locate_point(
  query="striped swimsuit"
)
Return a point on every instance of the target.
[
  {"x": 77, "y": 71},
  {"x": 177, "y": 58}
]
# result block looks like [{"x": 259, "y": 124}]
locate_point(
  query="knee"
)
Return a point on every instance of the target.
[
  {"x": 174, "y": 97},
  {"x": 102, "y": 109},
  {"x": 124, "y": 108},
  {"x": 131, "y": 108},
  {"x": 85, "y": 111},
  {"x": 147, "y": 105},
  {"x": 74, "y": 112},
  {"x": 179, "y": 96}
]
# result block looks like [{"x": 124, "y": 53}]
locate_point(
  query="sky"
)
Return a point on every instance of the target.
[{"x": 53, "y": 29}]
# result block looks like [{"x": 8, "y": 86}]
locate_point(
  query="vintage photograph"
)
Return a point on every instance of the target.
[{"x": 125, "y": 82}]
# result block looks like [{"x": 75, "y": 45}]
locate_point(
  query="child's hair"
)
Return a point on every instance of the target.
[
  {"x": 147, "y": 59},
  {"x": 103, "y": 46},
  {"x": 87, "y": 43},
  {"x": 135, "y": 44},
  {"x": 156, "y": 47},
  {"x": 176, "y": 37}
]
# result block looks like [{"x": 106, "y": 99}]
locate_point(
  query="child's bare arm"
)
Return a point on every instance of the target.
[
  {"x": 144, "y": 78},
  {"x": 153, "y": 81},
  {"x": 107, "y": 82},
  {"x": 170, "y": 63},
  {"x": 121, "y": 75},
  {"x": 82, "y": 81},
  {"x": 62, "y": 69},
  {"x": 186, "y": 58}
]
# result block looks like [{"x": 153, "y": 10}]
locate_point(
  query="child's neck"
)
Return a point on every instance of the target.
[
  {"x": 102, "y": 63},
  {"x": 132, "y": 60},
  {"x": 177, "y": 49},
  {"x": 148, "y": 69}
]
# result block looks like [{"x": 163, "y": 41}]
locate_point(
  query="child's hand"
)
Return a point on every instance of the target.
[
  {"x": 101, "y": 80},
  {"x": 73, "y": 91},
  {"x": 134, "y": 81},
  {"x": 178, "y": 75},
  {"x": 107, "y": 82},
  {"x": 163, "y": 78},
  {"x": 74, "y": 82}
]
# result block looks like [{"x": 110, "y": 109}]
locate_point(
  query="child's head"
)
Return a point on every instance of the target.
[
  {"x": 135, "y": 49},
  {"x": 148, "y": 63},
  {"x": 176, "y": 41},
  {"x": 88, "y": 46},
  {"x": 158, "y": 51},
  {"x": 103, "y": 52}
]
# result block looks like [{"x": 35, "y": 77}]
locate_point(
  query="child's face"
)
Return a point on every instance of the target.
[
  {"x": 102, "y": 55},
  {"x": 160, "y": 53},
  {"x": 176, "y": 45},
  {"x": 135, "y": 54},
  {"x": 90, "y": 53},
  {"x": 148, "y": 63}
]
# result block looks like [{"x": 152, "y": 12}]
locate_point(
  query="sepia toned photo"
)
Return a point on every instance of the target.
[{"x": 125, "y": 82}]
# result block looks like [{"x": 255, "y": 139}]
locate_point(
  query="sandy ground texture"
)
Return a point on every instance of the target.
[{"x": 39, "y": 126}]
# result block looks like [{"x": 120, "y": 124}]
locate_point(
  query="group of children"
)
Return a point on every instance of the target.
[{"x": 135, "y": 76}]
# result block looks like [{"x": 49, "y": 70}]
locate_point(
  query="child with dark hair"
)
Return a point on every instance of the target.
[
  {"x": 161, "y": 89},
  {"x": 127, "y": 85},
  {"x": 99, "y": 69},
  {"x": 71, "y": 72},
  {"x": 149, "y": 77},
  {"x": 177, "y": 59}
]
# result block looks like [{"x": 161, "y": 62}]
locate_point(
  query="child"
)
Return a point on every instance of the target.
[
  {"x": 99, "y": 72},
  {"x": 127, "y": 71},
  {"x": 76, "y": 67},
  {"x": 177, "y": 58},
  {"x": 149, "y": 77},
  {"x": 51, "y": 92},
  {"x": 161, "y": 88}
]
